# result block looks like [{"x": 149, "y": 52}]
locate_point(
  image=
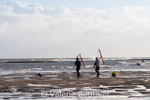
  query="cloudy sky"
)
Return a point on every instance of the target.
[{"x": 65, "y": 28}]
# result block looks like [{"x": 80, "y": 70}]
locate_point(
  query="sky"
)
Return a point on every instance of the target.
[{"x": 66, "y": 28}]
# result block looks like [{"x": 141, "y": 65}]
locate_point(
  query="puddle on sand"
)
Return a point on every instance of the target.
[{"x": 105, "y": 92}]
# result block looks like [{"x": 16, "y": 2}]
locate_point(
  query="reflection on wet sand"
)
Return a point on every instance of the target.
[{"x": 31, "y": 86}]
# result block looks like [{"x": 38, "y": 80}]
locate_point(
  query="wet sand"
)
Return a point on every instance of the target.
[{"x": 31, "y": 86}]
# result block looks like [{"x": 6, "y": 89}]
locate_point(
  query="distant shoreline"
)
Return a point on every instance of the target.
[
  {"x": 51, "y": 60},
  {"x": 26, "y": 61}
]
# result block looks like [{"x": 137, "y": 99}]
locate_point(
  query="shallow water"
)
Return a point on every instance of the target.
[
  {"x": 66, "y": 65},
  {"x": 63, "y": 68}
]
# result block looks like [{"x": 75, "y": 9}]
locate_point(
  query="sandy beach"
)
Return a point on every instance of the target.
[
  {"x": 45, "y": 42},
  {"x": 29, "y": 85}
]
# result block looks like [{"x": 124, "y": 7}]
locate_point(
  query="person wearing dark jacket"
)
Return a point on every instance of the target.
[
  {"x": 78, "y": 65},
  {"x": 96, "y": 65}
]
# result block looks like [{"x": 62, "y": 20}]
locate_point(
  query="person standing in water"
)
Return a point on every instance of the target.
[
  {"x": 96, "y": 66},
  {"x": 77, "y": 64}
]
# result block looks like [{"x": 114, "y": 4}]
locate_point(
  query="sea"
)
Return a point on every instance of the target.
[{"x": 8, "y": 66}]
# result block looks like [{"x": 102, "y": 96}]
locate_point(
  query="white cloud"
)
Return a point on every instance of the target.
[{"x": 35, "y": 31}]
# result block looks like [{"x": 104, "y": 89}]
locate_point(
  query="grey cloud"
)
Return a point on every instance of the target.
[{"x": 37, "y": 31}]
